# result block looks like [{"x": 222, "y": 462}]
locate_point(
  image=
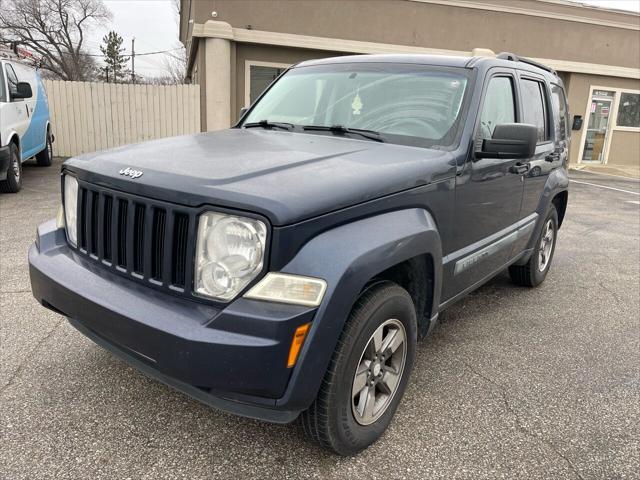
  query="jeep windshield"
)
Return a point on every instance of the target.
[{"x": 408, "y": 104}]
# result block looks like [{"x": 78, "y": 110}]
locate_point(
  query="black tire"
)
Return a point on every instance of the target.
[
  {"x": 13, "y": 182},
  {"x": 45, "y": 157},
  {"x": 531, "y": 274},
  {"x": 331, "y": 419}
]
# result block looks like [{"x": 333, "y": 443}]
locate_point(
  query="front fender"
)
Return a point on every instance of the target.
[
  {"x": 347, "y": 257},
  {"x": 558, "y": 181}
]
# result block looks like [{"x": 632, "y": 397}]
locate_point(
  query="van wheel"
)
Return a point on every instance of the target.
[
  {"x": 45, "y": 157},
  {"x": 535, "y": 270},
  {"x": 368, "y": 373},
  {"x": 13, "y": 183}
]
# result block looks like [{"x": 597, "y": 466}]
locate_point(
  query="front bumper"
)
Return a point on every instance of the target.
[
  {"x": 233, "y": 359},
  {"x": 5, "y": 161}
]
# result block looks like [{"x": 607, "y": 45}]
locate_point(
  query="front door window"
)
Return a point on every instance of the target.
[{"x": 598, "y": 126}]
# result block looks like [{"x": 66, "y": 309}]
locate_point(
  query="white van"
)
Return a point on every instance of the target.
[{"x": 25, "y": 129}]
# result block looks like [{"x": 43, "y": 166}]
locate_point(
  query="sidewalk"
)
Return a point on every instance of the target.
[{"x": 629, "y": 171}]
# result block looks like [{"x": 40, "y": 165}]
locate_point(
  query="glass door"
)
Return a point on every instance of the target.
[{"x": 598, "y": 126}]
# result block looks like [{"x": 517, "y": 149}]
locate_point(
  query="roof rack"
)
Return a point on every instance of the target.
[
  {"x": 16, "y": 53},
  {"x": 515, "y": 58}
]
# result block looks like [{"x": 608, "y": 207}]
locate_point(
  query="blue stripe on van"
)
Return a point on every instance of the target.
[{"x": 34, "y": 139}]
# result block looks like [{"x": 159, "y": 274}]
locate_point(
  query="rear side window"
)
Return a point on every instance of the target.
[
  {"x": 560, "y": 113},
  {"x": 534, "y": 107},
  {"x": 499, "y": 107}
]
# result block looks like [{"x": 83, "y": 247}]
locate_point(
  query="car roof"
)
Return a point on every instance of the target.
[{"x": 507, "y": 60}]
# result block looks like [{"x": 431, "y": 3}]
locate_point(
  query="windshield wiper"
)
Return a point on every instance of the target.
[
  {"x": 370, "y": 134},
  {"x": 268, "y": 124}
]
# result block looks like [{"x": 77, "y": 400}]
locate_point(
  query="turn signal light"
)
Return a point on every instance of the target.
[{"x": 297, "y": 342}]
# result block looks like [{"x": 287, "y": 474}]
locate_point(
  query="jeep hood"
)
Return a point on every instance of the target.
[{"x": 285, "y": 176}]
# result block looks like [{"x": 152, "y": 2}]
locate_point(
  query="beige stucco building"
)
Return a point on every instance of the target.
[{"x": 237, "y": 47}]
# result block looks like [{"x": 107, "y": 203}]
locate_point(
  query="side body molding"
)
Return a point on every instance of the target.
[{"x": 347, "y": 257}]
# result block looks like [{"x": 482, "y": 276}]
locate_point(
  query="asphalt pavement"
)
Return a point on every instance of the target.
[{"x": 514, "y": 382}]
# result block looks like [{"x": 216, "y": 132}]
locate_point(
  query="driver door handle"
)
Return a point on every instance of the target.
[{"x": 520, "y": 168}]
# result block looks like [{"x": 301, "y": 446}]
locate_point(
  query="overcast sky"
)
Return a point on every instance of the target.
[
  {"x": 153, "y": 23},
  {"x": 155, "y": 26}
]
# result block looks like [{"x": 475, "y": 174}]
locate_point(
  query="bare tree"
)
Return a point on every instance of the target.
[
  {"x": 175, "y": 61},
  {"x": 175, "y": 66},
  {"x": 55, "y": 31}
]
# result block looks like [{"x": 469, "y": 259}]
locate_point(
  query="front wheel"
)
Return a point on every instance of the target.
[
  {"x": 535, "y": 270},
  {"x": 368, "y": 373},
  {"x": 13, "y": 182}
]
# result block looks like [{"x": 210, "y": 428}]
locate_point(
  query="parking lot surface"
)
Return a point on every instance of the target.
[{"x": 514, "y": 383}]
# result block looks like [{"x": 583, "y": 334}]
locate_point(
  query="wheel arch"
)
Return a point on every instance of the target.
[
  {"x": 15, "y": 139},
  {"x": 394, "y": 245},
  {"x": 416, "y": 276}
]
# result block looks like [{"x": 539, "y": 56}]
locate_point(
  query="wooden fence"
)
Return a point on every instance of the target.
[{"x": 89, "y": 116}]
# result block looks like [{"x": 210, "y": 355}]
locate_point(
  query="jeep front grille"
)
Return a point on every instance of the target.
[{"x": 146, "y": 240}]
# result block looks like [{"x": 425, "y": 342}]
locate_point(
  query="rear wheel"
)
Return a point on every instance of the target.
[
  {"x": 535, "y": 270},
  {"x": 368, "y": 373},
  {"x": 13, "y": 182},
  {"x": 45, "y": 157}
]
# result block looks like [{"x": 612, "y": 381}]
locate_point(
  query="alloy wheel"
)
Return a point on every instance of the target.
[
  {"x": 546, "y": 246},
  {"x": 379, "y": 372}
]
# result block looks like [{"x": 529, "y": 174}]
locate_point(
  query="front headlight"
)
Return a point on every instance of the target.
[
  {"x": 71, "y": 208},
  {"x": 229, "y": 254}
]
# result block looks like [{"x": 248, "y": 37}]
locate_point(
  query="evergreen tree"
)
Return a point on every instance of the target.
[{"x": 115, "y": 62}]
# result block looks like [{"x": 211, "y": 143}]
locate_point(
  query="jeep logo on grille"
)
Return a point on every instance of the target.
[{"x": 130, "y": 172}]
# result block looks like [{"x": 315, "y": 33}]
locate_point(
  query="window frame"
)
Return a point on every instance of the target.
[
  {"x": 8, "y": 66},
  {"x": 247, "y": 76},
  {"x": 491, "y": 74},
  {"x": 524, "y": 75}
]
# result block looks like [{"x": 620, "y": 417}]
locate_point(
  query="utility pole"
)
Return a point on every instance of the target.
[{"x": 133, "y": 60}]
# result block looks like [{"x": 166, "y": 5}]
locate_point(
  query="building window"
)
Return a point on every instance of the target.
[
  {"x": 260, "y": 77},
  {"x": 629, "y": 110},
  {"x": 534, "y": 107}
]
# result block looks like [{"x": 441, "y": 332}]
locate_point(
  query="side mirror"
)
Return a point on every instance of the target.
[
  {"x": 577, "y": 122},
  {"x": 23, "y": 90},
  {"x": 243, "y": 110},
  {"x": 510, "y": 140}
]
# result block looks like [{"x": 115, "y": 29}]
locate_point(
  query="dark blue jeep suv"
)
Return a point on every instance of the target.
[{"x": 286, "y": 267}]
